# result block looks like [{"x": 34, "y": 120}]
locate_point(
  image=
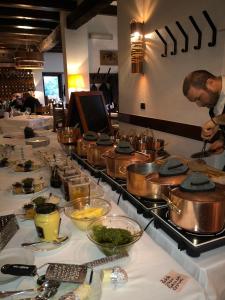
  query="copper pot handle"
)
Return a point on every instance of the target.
[{"x": 171, "y": 204}]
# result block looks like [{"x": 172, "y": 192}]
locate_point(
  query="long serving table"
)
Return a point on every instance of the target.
[
  {"x": 147, "y": 264},
  {"x": 18, "y": 123}
]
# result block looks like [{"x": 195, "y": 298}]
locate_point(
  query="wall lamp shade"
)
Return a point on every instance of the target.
[
  {"x": 75, "y": 81},
  {"x": 137, "y": 46}
]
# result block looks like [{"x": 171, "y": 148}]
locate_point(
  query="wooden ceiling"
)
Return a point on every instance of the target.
[{"x": 35, "y": 23}]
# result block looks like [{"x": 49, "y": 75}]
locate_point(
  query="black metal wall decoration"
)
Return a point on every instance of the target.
[
  {"x": 213, "y": 27},
  {"x": 186, "y": 38},
  {"x": 164, "y": 42},
  {"x": 198, "y": 46},
  {"x": 174, "y": 52}
]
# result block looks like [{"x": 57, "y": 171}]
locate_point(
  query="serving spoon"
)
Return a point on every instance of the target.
[
  {"x": 58, "y": 241},
  {"x": 48, "y": 289},
  {"x": 4, "y": 294}
]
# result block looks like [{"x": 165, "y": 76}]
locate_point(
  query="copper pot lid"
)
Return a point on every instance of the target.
[
  {"x": 134, "y": 156},
  {"x": 216, "y": 195},
  {"x": 104, "y": 140},
  {"x": 173, "y": 167},
  {"x": 124, "y": 147},
  {"x": 197, "y": 182},
  {"x": 90, "y": 136}
]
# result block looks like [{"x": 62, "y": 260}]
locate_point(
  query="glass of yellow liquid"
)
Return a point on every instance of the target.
[
  {"x": 47, "y": 222},
  {"x": 79, "y": 187}
]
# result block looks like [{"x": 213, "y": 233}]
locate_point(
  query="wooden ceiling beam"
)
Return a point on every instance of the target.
[
  {"x": 85, "y": 12},
  {"x": 15, "y": 13},
  {"x": 27, "y": 23},
  {"x": 110, "y": 10},
  {"x": 46, "y": 5},
  {"x": 9, "y": 39},
  {"x": 19, "y": 31},
  {"x": 50, "y": 41}
]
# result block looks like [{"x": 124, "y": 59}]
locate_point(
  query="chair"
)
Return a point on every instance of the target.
[{"x": 43, "y": 110}]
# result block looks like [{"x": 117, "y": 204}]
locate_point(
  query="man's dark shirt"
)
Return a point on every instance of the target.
[
  {"x": 222, "y": 127},
  {"x": 211, "y": 113},
  {"x": 17, "y": 104},
  {"x": 32, "y": 103}
]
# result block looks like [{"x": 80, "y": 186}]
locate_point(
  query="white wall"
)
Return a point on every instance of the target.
[
  {"x": 102, "y": 25},
  {"x": 53, "y": 63},
  {"x": 161, "y": 85},
  {"x": 81, "y": 53},
  {"x": 76, "y": 52}
]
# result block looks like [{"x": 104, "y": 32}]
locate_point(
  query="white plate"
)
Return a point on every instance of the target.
[
  {"x": 36, "y": 167},
  {"x": 32, "y": 193},
  {"x": 38, "y": 141},
  {"x": 14, "y": 256},
  {"x": 46, "y": 246}
]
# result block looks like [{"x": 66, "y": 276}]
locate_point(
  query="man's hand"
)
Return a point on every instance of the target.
[
  {"x": 209, "y": 129},
  {"x": 217, "y": 147}
]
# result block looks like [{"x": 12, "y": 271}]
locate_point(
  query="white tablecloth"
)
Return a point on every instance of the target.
[
  {"x": 208, "y": 269},
  {"x": 147, "y": 263},
  {"x": 18, "y": 123}
]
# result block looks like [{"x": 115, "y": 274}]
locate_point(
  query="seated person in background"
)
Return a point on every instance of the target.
[
  {"x": 30, "y": 102},
  {"x": 16, "y": 102}
]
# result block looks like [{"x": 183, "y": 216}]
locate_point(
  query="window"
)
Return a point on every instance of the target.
[{"x": 53, "y": 88}]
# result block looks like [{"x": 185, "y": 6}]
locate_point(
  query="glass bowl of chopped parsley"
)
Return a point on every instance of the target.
[{"x": 114, "y": 234}]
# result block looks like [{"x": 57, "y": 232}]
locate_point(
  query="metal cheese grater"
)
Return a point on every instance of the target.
[
  {"x": 77, "y": 273},
  {"x": 66, "y": 272},
  {"x": 8, "y": 228}
]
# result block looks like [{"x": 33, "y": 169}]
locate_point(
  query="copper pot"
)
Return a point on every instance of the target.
[
  {"x": 95, "y": 152},
  {"x": 82, "y": 146},
  {"x": 137, "y": 178},
  {"x": 68, "y": 135},
  {"x": 117, "y": 163},
  {"x": 156, "y": 186},
  {"x": 83, "y": 143},
  {"x": 199, "y": 212}
]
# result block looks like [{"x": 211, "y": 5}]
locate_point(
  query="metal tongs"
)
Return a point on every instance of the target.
[{"x": 203, "y": 152}]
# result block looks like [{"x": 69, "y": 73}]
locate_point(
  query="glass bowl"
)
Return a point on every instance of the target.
[
  {"x": 83, "y": 211},
  {"x": 114, "y": 234}
]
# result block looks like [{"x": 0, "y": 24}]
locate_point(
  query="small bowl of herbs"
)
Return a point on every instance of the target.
[{"x": 114, "y": 234}]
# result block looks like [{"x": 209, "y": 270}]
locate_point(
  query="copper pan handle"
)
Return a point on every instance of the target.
[{"x": 171, "y": 204}]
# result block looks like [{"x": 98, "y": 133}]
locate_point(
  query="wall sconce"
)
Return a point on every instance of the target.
[
  {"x": 75, "y": 82},
  {"x": 137, "y": 46}
]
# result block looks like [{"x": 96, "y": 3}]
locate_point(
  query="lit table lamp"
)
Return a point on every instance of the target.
[{"x": 75, "y": 82}]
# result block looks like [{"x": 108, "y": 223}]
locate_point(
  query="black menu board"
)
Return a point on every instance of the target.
[{"x": 89, "y": 111}]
